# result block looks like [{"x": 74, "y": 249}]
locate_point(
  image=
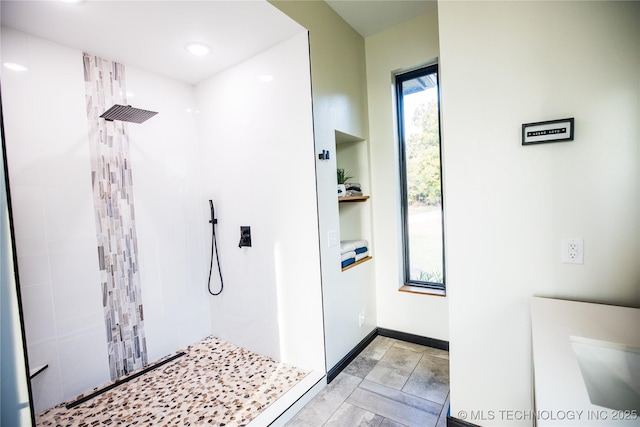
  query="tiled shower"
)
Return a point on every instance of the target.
[{"x": 113, "y": 240}]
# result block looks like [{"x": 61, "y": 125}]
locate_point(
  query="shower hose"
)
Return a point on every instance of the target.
[{"x": 214, "y": 249}]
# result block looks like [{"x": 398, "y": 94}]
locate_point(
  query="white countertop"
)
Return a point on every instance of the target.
[{"x": 561, "y": 397}]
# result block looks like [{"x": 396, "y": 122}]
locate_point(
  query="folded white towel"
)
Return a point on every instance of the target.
[
  {"x": 362, "y": 255},
  {"x": 347, "y": 255},
  {"x": 347, "y": 246},
  {"x": 352, "y": 245}
]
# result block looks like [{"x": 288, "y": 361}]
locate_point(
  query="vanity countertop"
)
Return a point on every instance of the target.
[{"x": 561, "y": 396}]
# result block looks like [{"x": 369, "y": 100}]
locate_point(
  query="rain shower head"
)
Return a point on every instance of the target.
[{"x": 127, "y": 113}]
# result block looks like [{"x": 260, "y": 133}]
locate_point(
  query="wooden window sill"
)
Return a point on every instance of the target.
[{"x": 423, "y": 291}]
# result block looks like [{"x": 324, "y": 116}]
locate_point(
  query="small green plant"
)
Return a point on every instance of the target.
[
  {"x": 430, "y": 276},
  {"x": 343, "y": 177}
]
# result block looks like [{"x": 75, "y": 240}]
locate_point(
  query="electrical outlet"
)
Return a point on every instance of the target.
[
  {"x": 332, "y": 238},
  {"x": 361, "y": 319},
  {"x": 573, "y": 251}
]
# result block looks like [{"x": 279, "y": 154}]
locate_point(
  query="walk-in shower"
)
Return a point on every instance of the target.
[{"x": 112, "y": 234}]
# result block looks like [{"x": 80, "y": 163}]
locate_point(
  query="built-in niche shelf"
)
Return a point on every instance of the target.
[
  {"x": 352, "y": 155},
  {"x": 352, "y": 199},
  {"x": 360, "y": 261}
]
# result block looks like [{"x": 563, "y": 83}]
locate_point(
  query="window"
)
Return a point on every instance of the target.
[{"x": 418, "y": 104}]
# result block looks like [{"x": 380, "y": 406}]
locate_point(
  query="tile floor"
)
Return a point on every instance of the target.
[
  {"x": 215, "y": 384},
  {"x": 392, "y": 383}
]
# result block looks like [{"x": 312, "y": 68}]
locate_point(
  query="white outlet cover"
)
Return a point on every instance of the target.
[
  {"x": 573, "y": 251},
  {"x": 332, "y": 238}
]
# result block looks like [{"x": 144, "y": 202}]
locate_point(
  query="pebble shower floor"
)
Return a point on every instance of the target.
[{"x": 214, "y": 384}]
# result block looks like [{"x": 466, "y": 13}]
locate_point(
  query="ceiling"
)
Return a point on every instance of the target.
[
  {"x": 369, "y": 17},
  {"x": 152, "y": 34}
]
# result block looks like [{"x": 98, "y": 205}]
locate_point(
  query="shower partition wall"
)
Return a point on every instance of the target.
[{"x": 15, "y": 405}]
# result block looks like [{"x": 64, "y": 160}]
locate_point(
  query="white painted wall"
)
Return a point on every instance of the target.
[
  {"x": 339, "y": 104},
  {"x": 258, "y": 168},
  {"x": 509, "y": 206},
  {"x": 400, "y": 48}
]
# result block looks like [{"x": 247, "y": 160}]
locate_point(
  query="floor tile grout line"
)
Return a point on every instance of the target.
[
  {"x": 440, "y": 407},
  {"x": 343, "y": 401},
  {"x": 382, "y": 396},
  {"x": 442, "y": 411},
  {"x": 412, "y": 371},
  {"x": 403, "y": 392}
]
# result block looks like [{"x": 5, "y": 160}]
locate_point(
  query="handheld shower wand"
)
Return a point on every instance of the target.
[
  {"x": 214, "y": 247},
  {"x": 213, "y": 219}
]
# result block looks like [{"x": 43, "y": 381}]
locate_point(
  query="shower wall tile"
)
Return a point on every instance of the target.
[
  {"x": 39, "y": 320},
  {"x": 80, "y": 244},
  {"x": 172, "y": 214},
  {"x": 31, "y": 246},
  {"x": 34, "y": 270},
  {"x": 82, "y": 360},
  {"x": 50, "y": 178},
  {"x": 61, "y": 164},
  {"x": 46, "y": 387},
  {"x": 75, "y": 283},
  {"x": 272, "y": 138},
  {"x": 19, "y": 92},
  {"x": 117, "y": 248},
  {"x": 80, "y": 325},
  {"x": 28, "y": 212},
  {"x": 50, "y": 166}
]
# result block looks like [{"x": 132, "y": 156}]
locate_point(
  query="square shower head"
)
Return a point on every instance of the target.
[{"x": 127, "y": 113}]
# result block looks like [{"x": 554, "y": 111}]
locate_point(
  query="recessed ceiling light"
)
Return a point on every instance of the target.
[
  {"x": 198, "y": 49},
  {"x": 15, "y": 67},
  {"x": 266, "y": 78}
]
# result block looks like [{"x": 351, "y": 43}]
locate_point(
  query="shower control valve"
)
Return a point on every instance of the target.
[{"x": 245, "y": 236}]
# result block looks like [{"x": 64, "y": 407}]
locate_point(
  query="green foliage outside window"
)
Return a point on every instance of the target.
[{"x": 423, "y": 158}]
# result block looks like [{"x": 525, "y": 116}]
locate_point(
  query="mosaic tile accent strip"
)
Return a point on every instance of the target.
[
  {"x": 215, "y": 383},
  {"x": 111, "y": 180}
]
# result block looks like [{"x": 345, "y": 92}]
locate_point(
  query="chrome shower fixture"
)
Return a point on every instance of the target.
[{"x": 127, "y": 113}]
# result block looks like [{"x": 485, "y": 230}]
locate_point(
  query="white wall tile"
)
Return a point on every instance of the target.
[
  {"x": 168, "y": 205},
  {"x": 75, "y": 283},
  {"x": 46, "y": 387},
  {"x": 69, "y": 210},
  {"x": 34, "y": 270},
  {"x": 83, "y": 360},
  {"x": 39, "y": 315},
  {"x": 28, "y": 210},
  {"x": 257, "y": 139},
  {"x": 31, "y": 246}
]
